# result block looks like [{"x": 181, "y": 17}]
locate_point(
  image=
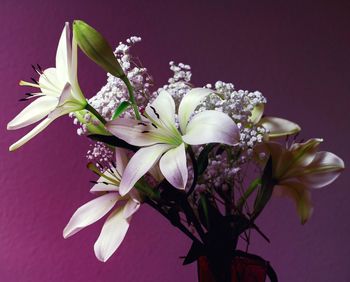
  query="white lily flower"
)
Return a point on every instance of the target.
[
  {"x": 300, "y": 168},
  {"x": 58, "y": 91},
  {"x": 117, "y": 223},
  {"x": 275, "y": 126},
  {"x": 161, "y": 139}
]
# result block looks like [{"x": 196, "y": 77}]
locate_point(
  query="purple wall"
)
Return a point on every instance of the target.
[{"x": 297, "y": 54}]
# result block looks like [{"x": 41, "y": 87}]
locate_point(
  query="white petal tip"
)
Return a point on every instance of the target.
[
  {"x": 102, "y": 259},
  {"x": 66, "y": 234},
  {"x": 124, "y": 188},
  {"x": 99, "y": 254},
  {"x": 123, "y": 192},
  {"x": 12, "y": 148}
]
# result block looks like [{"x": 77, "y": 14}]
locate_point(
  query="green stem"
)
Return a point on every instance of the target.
[
  {"x": 248, "y": 192},
  {"x": 178, "y": 224},
  {"x": 131, "y": 95},
  {"x": 144, "y": 188},
  {"x": 95, "y": 113}
]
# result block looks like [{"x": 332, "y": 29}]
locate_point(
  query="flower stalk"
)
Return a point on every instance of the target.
[
  {"x": 131, "y": 96},
  {"x": 95, "y": 113}
]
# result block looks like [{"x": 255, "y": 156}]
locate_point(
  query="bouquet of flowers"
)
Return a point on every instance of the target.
[{"x": 206, "y": 158}]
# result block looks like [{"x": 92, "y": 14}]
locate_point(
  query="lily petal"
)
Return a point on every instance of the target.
[
  {"x": 211, "y": 127},
  {"x": 121, "y": 160},
  {"x": 279, "y": 127},
  {"x": 131, "y": 206},
  {"x": 50, "y": 83},
  {"x": 73, "y": 79},
  {"x": 103, "y": 185},
  {"x": 132, "y": 131},
  {"x": 323, "y": 170},
  {"x": 35, "y": 131},
  {"x": 304, "y": 153},
  {"x": 64, "y": 55},
  {"x": 173, "y": 165},
  {"x": 67, "y": 104},
  {"x": 163, "y": 109},
  {"x": 299, "y": 193},
  {"x": 282, "y": 159},
  {"x": 90, "y": 213},
  {"x": 257, "y": 113},
  {"x": 112, "y": 235},
  {"x": 34, "y": 112},
  {"x": 139, "y": 164},
  {"x": 189, "y": 103}
]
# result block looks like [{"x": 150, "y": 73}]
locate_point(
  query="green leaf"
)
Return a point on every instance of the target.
[
  {"x": 123, "y": 106},
  {"x": 112, "y": 141},
  {"x": 194, "y": 253},
  {"x": 265, "y": 192},
  {"x": 204, "y": 212},
  {"x": 202, "y": 160},
  {"x": 253, "y": 185},
  {"x": 96, "y": 47}
]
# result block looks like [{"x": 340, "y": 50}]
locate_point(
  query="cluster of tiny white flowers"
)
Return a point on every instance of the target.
[
  {"x": 179, "y": 83},
  {"x": 99, "y": 152},
  {"x": 220, "y": 172},
  {"x": 239, "y": 106},
  {"x": 115, "y": 90}
]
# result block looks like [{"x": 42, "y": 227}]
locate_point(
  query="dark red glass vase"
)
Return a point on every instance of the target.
[{"x": 242, "y": 270}]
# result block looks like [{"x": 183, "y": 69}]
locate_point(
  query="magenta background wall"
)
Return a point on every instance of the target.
[{"x": 295, "y": 52}]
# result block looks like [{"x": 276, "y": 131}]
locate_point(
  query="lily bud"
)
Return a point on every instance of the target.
[
  {"x": 96, "y": 47},
  {"x": 93, "y": 125}
]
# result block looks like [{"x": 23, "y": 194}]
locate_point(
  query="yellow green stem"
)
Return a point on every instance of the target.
[
  {"x": 131, "y": 96},
  {"x": 248, "y": 192}
]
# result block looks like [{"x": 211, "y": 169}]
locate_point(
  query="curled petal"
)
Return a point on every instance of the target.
[
  {"x": 257, "y": 113},
  {"x": 304, "y": 153},
  {"x": 35, "y": 131},
  {"x": 112, "y": 235},
  {"x": 67, "y": 98},
  {"x": 211, "y": 127},
  {"x": 67, "y": 104},
  {"x": 34, "y": 112},
  {"x": 299, "y": 193},
  {"x": 173, "y": 166},
  {"x": 131, "y": 206},
  {"x": 279, "y": 127},
  {"x": 132, "y": 131},
  {"x": 323, "y": 170},
  {"x": 90, "y": 213},
  {"x": 189, "y": 103},
  {"x": 139, "y": 164}
]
